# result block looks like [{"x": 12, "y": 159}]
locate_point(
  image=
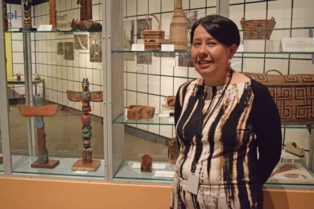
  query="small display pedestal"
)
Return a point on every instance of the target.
[
  {"x": 50, "y": 164},
  {"x": 80, "y": 166}
]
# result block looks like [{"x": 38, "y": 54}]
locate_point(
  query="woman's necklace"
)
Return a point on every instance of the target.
[{"x": 219, "y": 100}]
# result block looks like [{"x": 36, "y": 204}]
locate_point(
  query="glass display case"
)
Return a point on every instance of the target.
[
  {"x": 149, "y": 77},
  {"x": 54, "y": 64},
  {"x": 54, "y": 82}
]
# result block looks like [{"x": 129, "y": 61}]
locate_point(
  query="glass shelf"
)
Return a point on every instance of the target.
[
  {"x": 131, "y": 170},
  {"x": 156, "y": 120},
  {"x": 54, "y": 31},
  {"x": 169, "y": 121},
  {"x": 188, "y": 52}
]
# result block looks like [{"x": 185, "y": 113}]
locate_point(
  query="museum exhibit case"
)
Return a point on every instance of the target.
[
  {"x": 151, "y": 77},
  {"x": 131, "y": 131},
  {"x": 115, "y": 100},
  {"x": 55, "y": 89}
]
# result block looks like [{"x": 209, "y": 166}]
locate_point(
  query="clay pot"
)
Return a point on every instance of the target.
[{"x": 179, "y": 28}]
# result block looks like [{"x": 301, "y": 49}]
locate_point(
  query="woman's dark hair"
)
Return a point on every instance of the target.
[{"x": 220, "y": 28}]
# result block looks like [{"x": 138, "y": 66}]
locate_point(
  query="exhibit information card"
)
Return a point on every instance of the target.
[{"x": 297, "y": 44}]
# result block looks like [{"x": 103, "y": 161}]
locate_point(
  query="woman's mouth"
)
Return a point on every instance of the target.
[{"x": 204, "y": 64}]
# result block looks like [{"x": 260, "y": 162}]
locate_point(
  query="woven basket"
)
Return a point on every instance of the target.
[
  {"x": 257, "y": 29},
  {"x": 153, "y": 38},
  {"x": 137, "y": 112},
  {"x": 293, "y": 95}
]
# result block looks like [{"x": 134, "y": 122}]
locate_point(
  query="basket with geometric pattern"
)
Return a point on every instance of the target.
[
  {"x": 293, "y": 95},
  {"x": 257, "y": 29},
  {"x": 137, "y": 112}
]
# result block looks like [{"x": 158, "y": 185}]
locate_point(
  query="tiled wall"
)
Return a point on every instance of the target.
[{"x": 150, "y": 83}]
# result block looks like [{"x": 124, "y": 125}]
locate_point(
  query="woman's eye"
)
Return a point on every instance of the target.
[
  {"x": 196, "y": 44},
  {"x": 211, "y": 43}
]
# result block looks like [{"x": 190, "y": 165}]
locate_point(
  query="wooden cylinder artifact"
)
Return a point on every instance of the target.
[{"x": 179, "y": 28}]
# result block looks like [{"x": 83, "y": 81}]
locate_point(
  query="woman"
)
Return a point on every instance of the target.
[{"x": 227, "y": 125}]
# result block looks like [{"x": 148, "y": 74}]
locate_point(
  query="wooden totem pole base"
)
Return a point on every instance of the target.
[
  {"x": 50, "y": 164},
  {"x": 80, "y": 166}
]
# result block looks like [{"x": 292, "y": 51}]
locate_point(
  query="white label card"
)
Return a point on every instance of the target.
[
  {"x": 138, "y": 47},
  {"x": 297, "y": 44},
  {"x": 81, "y": 172},
  {"x": 167, "y": 47},
  {"x": 157, "y": 166},
  {"x": 169, "y": 174},
  {"x": 136, "y": 165},
  {"x": 44, "y": 28}
]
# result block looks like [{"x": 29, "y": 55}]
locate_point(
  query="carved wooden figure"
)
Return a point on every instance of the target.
[
  {"x": 85, "y": 97},
  {"x": 86, "y": 18},
  {"x": 86, "y": 9},
  {"x": 39, "y": 111},
  {"x": 52, "y": 14},
  {"x": 27, "y": 14}
]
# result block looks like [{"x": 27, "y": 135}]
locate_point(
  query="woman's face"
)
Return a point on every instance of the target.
[{"x": 210, "y": 58}]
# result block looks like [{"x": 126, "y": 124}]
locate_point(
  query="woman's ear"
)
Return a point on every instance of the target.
[{"x": 233, "y": 48}]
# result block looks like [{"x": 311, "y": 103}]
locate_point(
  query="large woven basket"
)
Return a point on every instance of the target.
[
  {"x": 153, "y": 38},
  {"x": 293, "y": 94},
  {"x": 137, "y": 112},
  {"x": 257, "y": 29}
]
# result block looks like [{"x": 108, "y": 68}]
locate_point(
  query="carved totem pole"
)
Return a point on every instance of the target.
[
  {"x": 39, "y": 111},
  {"x": 27, "y": 14},
  {"x": 85, "y": 96}
]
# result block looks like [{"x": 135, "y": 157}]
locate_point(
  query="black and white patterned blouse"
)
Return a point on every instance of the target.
[{"x": 230, "y": 138}]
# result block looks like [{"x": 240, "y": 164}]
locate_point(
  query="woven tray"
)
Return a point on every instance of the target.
[
  {"x": 293, "y": 94},
  {"x": 257, "y": 29},
  {"x": 137, "y": 112}
]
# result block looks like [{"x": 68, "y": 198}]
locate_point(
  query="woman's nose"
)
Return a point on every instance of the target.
[{"x": 203, "y": 50}]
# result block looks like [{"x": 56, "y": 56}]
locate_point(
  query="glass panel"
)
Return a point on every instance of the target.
[
  {"x": 55, "y": 87},
  {"x": 150, "y": 76},
  {"x": 57, "y": 128}
]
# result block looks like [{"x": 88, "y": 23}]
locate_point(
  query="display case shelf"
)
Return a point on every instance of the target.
[
  {"x": 156, "y": 120},
  {"x": 131, "y": 171},
  {"x": 54, "y": 31},
  {"x": 188, "y": 52}
]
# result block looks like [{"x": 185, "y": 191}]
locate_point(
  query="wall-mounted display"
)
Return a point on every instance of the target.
[
  {"x": 95, "y": 47},
  {"x": 68, "y": 51},
  {"x": 60, "y": 48},
  {"x": 80, "y": 41},
  {"x": 143, "y": 24},
  {"x": 128, "y": 34}
]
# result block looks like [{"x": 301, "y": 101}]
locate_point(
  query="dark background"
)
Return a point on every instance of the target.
[{"x": 34, "y": 2}]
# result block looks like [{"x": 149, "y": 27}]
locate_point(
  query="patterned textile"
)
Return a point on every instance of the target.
[{"x": 219, "y": 133}]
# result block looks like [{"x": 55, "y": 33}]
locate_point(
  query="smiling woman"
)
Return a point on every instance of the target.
[{"x": 227, "y": 126}]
